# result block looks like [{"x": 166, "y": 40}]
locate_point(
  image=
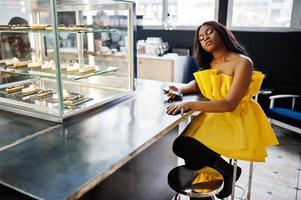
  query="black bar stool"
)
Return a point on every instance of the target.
[{"x": 201, "y": 184}]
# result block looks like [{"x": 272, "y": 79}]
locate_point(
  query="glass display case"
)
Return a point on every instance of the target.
[{"x": 59, "y": 58}]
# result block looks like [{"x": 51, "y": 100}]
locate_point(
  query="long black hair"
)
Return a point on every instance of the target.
[
  {"x": 204, "y": 58},
  {"x": 23, "y": 50}
]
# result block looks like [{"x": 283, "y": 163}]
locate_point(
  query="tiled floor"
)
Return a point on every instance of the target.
[{"x": 279, "y": 178}]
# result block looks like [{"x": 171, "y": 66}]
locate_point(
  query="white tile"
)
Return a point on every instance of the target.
[
  {"x": 287, "y": 176},
  {"x": 263, "y": 190}
]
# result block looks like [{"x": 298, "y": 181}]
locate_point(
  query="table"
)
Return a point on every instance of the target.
[{"x": 63, "y": 161}]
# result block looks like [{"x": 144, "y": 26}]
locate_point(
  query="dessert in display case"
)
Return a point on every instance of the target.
[{"x": 59, "y": 58}]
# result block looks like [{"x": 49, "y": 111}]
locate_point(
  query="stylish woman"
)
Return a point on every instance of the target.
[{"x": 231, "y": 122}]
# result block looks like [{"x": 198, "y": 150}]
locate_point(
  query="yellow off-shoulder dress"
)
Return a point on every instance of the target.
[{"x": 242, "y": 134}]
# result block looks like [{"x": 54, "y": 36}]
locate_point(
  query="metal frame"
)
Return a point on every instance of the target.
[
  {"x": 59, "y": 114},
  {"x": 249, "y": 181}
]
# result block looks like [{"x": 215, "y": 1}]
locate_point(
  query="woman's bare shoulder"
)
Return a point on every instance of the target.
[
  {"x": 245, "y": 60},
  {"x": 244, "y": 64}
]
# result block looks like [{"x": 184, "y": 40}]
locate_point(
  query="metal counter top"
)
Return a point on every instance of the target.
[{"x": 64, "y": 161}]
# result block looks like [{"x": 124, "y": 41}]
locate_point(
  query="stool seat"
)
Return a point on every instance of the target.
[{"x": 205, "y": 182}]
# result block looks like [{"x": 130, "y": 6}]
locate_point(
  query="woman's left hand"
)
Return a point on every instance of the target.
[{"x": 177, "y": 108}]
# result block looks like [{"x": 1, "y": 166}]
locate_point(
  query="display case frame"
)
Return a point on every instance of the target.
[{"x": 94, "y": 89}]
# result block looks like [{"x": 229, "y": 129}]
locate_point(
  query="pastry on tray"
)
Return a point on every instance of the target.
[
  {"x": 32, "y": 89},
  {"x": 43, "y": 94},
  {"x": 48, "y": 28},
  {"x": 5, "y": 27},
  {"x": 60, "y": 27},
  {"x": 2, "y": 62},
  {"x": 21, "y": 27},
  {"x": 76, "y": 28},
  {"x": 87, "y": 69},
  {"x": 34, "y": 65},
  {"x": 47, "y": 65},
  {"x": 39, "y": 26},
  {"x": 13, "y": 89},
  {"x": 73, "y": 67},
  {"x": 10, "y": 62},
  {"x": 66, "y": 95},
  {"x": 21, "y": 64},
  {"x": 63, "y": 67},
  {"x": 74, "y": 100}
]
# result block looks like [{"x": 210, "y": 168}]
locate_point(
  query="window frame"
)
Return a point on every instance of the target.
[
  {"x": 294, "y": 26},
  {"x": 183, "y": 27}
]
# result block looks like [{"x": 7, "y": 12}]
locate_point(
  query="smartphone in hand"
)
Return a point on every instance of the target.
[{"x": 178, "y": 95}]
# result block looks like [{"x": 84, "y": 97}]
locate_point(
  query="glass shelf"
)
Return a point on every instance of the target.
[
  {"x": 88, "y": 30},
  {"x": 64, "y": 74}
]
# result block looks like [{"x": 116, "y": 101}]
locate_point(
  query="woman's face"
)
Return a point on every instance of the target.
[
  {"x": 14, "y": 40},
  {"x": 209, "y": 38}
]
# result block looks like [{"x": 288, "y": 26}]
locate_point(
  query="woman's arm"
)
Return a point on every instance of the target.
[
  {"x": 241, "y": 80},
  {"x": 189, "y": 88}
]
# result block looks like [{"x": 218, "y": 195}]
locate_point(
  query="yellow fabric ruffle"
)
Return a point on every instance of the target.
[
  {"x": 208, "y": 178},
  {"x": 242, "y": 134}
]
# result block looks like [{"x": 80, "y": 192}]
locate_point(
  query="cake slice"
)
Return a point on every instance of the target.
[
  {"x": 10, "y": 62},
  {"x": 21, "y": 27},
  {"x": 73, "y": 68},
  {"x": 21, "y": 64},
  {"x": 32, "y": 89},
  {"x": 13, "y": 89},
  {"x": 86, "y": 70},
  {"x": 39, "y": 26},
  {"x": 5, "y": 27},
  {"x": 34, "y": 65},
  {"x": 4, "y": 61},
  {"x": 65, "y": 95},
  {"x": 76, "y": 28},
  {"x": 47, "y": 65},
  {"x": 63, "y": 67},
  {"x": 44, "y": 94},
  {"x": 74, "y": 100}
]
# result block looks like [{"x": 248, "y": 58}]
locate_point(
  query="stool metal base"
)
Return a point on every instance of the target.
[
  {"x": 184, "y": 197},
  {"x": 249, "y": 181}
]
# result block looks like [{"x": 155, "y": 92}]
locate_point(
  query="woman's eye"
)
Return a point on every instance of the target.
[
  {"x": 201, "y": 38},
  {"x": 209, "y": 32}
]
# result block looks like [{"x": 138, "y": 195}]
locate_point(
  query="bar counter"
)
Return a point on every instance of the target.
[{"x": 46, "y": 160}]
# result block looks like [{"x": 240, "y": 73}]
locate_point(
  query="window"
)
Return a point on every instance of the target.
[
  {"x": 260, "y": 13},
  {"x": 151, "y": 11},
  {"x": 194, "y": 13},
  {"x": 172, "y": 14}
]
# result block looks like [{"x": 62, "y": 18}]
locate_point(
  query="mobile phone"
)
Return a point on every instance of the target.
[
  {"x": 166, "y": 90},
  {"x": 178, "y": 94}
]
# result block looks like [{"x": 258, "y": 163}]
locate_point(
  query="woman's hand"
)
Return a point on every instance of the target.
[
  {"x": 173, "y": 93},
  {"x": 174, "y": 109}
]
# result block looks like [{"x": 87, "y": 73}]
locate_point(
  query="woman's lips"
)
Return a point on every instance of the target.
[{"x": 208, "y": 43}]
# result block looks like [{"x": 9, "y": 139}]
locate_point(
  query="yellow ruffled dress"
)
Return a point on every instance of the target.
[{"x": 242, "y": 134}]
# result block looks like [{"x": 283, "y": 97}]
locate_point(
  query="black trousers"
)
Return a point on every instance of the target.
[{"x": 195, "y": 154}]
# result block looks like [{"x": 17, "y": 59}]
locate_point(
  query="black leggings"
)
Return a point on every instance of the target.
[{"x": 195, "y": 154}]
